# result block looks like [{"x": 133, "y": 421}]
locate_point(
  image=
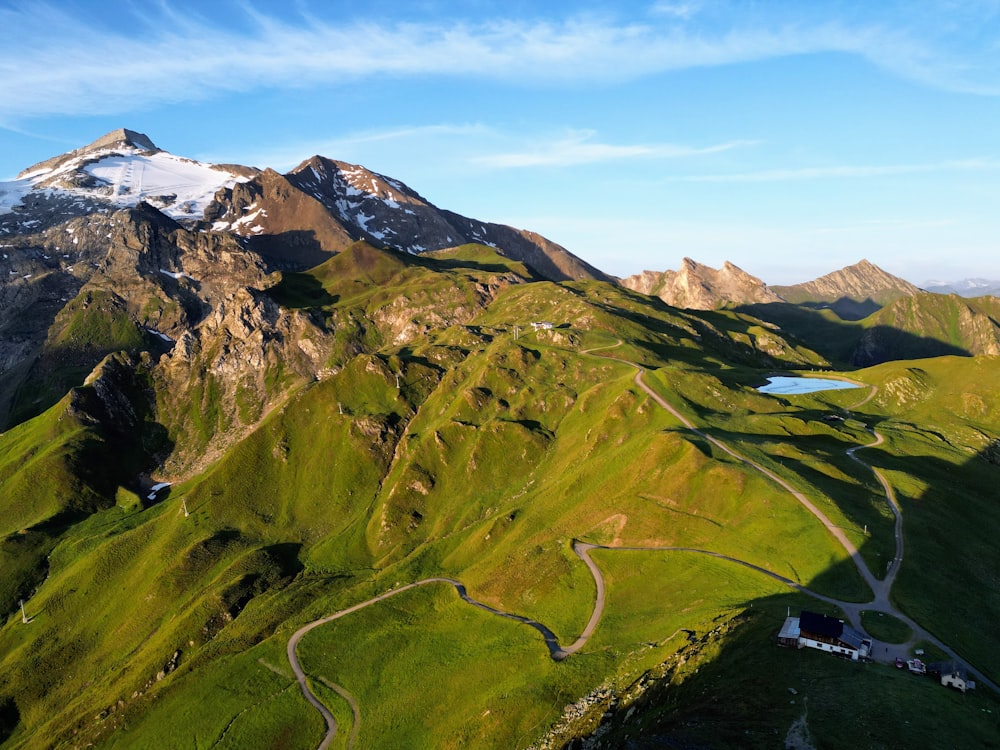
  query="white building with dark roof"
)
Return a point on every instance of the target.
[{"x": 824, "y": 633}]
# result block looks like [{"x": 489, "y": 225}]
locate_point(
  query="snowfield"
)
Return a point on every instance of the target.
[
  {"x": 181, "y": 188},
  {"x": 12, "y": 193}
]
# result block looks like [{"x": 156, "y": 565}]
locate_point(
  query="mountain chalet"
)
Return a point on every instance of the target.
[{"x": 812, "y": 630}]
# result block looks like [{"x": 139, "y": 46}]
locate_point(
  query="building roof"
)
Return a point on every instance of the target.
[
  {"x": 950, "y": 667},
  {"x": 852, "y": 637},
  {"x": 790, "y": 630},
  {"x": 824, "y": 625}
]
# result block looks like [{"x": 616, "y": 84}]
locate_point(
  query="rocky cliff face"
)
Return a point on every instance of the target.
[
  {"x": 120, "y": 245},
  {"x": 323, "y": 205},
  {"x": 698, "y": 287},
  {"x": 130, "y": 280},
  {"x": 864, "y": 281}
]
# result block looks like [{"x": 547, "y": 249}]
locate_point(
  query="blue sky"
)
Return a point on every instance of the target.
[{"x": 790, "y": 138}]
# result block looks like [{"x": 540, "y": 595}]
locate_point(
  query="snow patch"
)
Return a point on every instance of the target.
[
  {"x": 178, "y": 275},
  {"x": 161, "y": 335},
  {"x": 155, "y": 489},
  {"x": 12, "y": 194}
]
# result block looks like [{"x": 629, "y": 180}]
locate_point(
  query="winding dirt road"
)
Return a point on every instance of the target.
[
  {"x": 835, "y": 531},
  {"x": 555, "y": 650},
  {"x": 881, "y": 588}
]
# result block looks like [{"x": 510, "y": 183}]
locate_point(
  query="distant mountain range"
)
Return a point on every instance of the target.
[
  {"x": 700, "y": 287},
  {"x": 852, "y": 292},
  {"x": 965, "y": 287},
  {"x": 860, "y": 315}
]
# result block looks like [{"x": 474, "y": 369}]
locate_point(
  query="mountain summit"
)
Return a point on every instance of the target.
[
  {"x": 853, "y": 292},
  {"x": 118, "y": 140},
  {"x": 118, "y": 170},
  {"x": 122, "y": 136},
  {"x": 698, "y": 287},
  {"x": 295, "y": 220}
]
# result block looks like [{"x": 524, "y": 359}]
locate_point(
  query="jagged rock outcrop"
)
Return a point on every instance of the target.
[
  {"x": 698, "y": 287},
  {"x": 322, "y": 206},
  {"x": 864, "y": 282}
]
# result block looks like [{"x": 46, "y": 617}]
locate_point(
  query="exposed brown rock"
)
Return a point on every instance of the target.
[{"x": 699, "y": 287}]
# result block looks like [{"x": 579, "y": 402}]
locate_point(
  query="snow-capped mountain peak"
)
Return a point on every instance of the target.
[{"x": 118, "y": 170}]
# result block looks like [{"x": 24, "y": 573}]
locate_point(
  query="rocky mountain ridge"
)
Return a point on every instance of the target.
[
  {"x": 699, "y": 287},
  {"x": 120, "y": 245},
  {"x": 853, "y": 291}
]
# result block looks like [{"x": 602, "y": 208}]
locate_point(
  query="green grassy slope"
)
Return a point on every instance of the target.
[
  {"x": 479, "y": 449},
  {"x": 942, "y": 425},
  {"x": 919, "y": 326},
  {"x": 91, "y": 326}
]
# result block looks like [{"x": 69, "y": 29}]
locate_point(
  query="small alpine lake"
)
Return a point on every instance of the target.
[{"x": 786, "y": 385}]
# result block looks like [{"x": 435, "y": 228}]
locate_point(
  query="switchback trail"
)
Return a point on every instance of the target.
[
  {"x": 834, "y": 530},
  {"x": 880, "y": 588},
  {"x": 557, "y": 653}
]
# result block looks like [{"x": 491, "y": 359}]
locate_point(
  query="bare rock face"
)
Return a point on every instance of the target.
[
  {"x": 318, "y": 209},
  {"x": 131, "y": 280},
  {"x": 699, "y": 287},
  {"x": 860, "y": 282}
]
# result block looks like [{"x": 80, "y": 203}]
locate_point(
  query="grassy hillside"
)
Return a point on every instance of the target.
[
  {"x": 448, "y": 437},
  {"x": 91, "y": 326},
  {"x": 912, "y": 327},
  {"x": 942, "y": 426}
]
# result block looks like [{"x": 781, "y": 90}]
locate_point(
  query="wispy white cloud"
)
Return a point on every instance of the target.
[
  {"x": 427, "y": 141},
  {"x": 580, "y": 148},
  {"x": 53, "y": 61},
  {"x": 670, "y": 9},
  {"x": 474, "y": 147},
  {"x": 845, "y": 172}
]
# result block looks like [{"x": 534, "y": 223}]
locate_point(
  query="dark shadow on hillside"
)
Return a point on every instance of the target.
[
  {"x": 747, "y": 692},
  {"x": 294, "y": 250},
  {"x": 835, "y": 339},
  {"x": 36, "y": 384},
  {"x": 301, "y": 290},
  {"x": 951, "y": 566},
  {"x": 24, "y": 557},
  {"x": 459, "y": 264},
  {"x": 10, "y": 717},
  {"x": 286, "y": 557},
  {"x": 847, "y": 308},
  {"x": 714, "y": 348},
  {"x": 885, "y": 343},
  {"x": 843, "y": 341}
]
